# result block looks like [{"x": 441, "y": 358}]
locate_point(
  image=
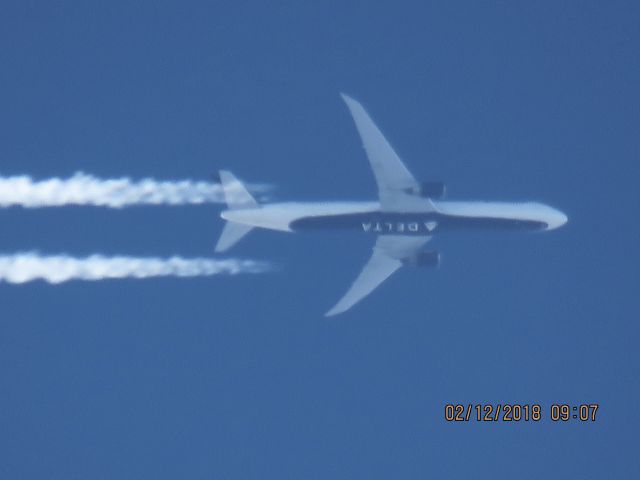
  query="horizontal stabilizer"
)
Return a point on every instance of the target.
[
  {"x": 231, "y": 234},
  {"x": 235, "y": 193}
]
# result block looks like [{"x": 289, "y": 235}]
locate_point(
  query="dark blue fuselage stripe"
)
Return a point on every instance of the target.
[{"x": 407, "y": 224}]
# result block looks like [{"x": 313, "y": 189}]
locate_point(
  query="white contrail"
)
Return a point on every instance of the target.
[
  {"x": 84, "y": 189},
  {"x": 28, "y": 266}
]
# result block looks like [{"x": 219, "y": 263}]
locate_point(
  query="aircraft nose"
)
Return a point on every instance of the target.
[{"x": 558, "y": 219}]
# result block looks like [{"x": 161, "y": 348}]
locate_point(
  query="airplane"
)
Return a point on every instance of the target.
[{"x": 407, "y": 214}]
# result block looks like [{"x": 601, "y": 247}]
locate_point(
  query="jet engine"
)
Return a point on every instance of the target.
[
  {"x": 429, "y": 190},
  {"x": 423, "y": 259}
]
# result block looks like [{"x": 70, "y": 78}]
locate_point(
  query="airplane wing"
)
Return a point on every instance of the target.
[
  {"x": 388, "y": 253},
  {"x": 395, "y": 182}
]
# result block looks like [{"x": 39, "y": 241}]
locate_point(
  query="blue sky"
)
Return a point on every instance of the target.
[{"x": 242, "y": 377}]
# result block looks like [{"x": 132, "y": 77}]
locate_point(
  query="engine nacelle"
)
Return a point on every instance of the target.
[
  {"x": 423, "y": 259},
  {"x": 429, "y": 190}
]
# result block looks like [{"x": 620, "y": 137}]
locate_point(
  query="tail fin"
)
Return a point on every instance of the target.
[{"x": 237, "y": 197}]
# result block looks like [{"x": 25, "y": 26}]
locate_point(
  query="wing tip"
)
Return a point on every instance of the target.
[
  {"x": 333, "y": 312},
  {"x": 339, "y": 308},
  {"x": 348, "y": 99}
]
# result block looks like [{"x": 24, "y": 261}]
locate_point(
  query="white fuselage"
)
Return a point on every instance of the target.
[{"x": 368, "y": 217}]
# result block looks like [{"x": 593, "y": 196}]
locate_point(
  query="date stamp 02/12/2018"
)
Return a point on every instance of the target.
[{"x": 515, "y": 412}]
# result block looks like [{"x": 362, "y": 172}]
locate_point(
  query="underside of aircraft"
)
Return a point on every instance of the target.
[{"x": 404, "y": 218}]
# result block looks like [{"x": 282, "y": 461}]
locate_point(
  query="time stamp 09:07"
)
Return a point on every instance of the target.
[{"x": 529, "y": 412}]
